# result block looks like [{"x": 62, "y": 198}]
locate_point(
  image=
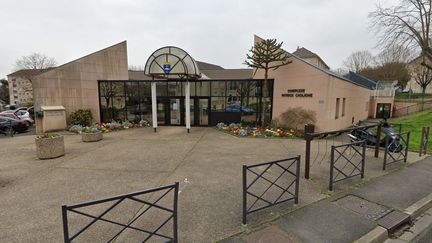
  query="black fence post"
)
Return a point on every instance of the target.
[
  {"x": 407, "y": 145},
  {"x": 309, "y": 129},
  {"x": 386, "y": 152},
  {"x": 65, "y": 224},
  {"x": 296, "y": 199},
  {"x": 244, "y": 194},
  {"x": 422, "y": 140},
  {"x": 175, "y": 212},
  {"x": 331, "y": 168},
  {"x": 378, "y": 140},
  {"x": 363, "y": 159}
]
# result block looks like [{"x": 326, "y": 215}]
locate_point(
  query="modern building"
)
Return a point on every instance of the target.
[
  {"x": 415, "y": 68},
  {"x": 174, "y": 89},
  {"x": 382, "y": 99}
]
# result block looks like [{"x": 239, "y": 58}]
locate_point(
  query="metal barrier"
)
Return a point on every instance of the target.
[
  {"x": 340, "y": 160},
  {"x": 396, "y": 150},
  {"x": 117, "y": 200},
  {"x": 424, "y": 143},
  {"x": 287, "y": 168},
  {"x": 310, "y": 135}
]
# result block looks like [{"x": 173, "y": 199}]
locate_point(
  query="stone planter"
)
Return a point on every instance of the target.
[
  {"x": 92, "y": 137},
  {"x": 50, "y": 147}
]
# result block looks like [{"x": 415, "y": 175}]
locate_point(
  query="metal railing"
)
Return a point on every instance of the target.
[
  {"x": 310, "y": 135},
  {"x": 165, "y": 190},
  {"x": 290, "y": 167},
  {"x": 348, "y": 160},
  {"x": 407, "y": 110},
  {"x": 424, "y": 142},
  {"x": 396, "y": 148}
]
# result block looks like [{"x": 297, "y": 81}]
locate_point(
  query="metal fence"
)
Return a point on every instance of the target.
[
  {"x": 396, "y": 148},
  {"x": 147, "y": 234},
  {"x": 347, "y": 160},
  {"x": 310, "y": 135},
  {"x": 271, "y": 188},
  {"x": 424, "y": 142},
  {"x": 404, "y": 111}
]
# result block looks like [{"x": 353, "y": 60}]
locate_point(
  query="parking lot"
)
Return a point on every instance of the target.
[{"x": 206, "y": 162}]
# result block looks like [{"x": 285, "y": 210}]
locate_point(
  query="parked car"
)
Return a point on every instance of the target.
[
  {"x": 25, "y": 115},
  {"x": 10, "y": 114},
  {"x": 17, "y": 125},
  {"x": 19, "y": 114},
  {"x": 238, "y": 108}
]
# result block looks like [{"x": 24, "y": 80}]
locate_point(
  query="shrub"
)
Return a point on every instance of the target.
[
  {"x": 81, "y": 117},
  {"x": 296, "y": 118}
]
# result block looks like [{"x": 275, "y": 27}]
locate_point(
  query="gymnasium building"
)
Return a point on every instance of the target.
[{"x": 176, "y": 90}]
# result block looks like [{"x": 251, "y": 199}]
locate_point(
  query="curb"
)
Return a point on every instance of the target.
[
  {"x": 419, "y": 207},
  {"x": 379, "y": 234}
]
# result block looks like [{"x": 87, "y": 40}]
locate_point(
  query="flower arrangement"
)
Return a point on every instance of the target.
[
  {"x": 250, "y": 131},
  {"x": 106, "y": 127}
]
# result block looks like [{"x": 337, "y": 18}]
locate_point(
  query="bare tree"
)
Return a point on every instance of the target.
[
  {"x": 393, "y": 54},
  {"x": 358, "y": 61},
  {"x": 423, "y": 77},
  {"x": 266, "y": 55},
  {"x": 34, "y": 61},
  {"x": 406, "y": 25}
]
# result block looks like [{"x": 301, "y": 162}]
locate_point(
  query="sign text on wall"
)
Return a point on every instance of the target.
[{"x": 297, "y": 93}]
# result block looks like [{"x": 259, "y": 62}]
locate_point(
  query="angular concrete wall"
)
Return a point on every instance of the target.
[{"x": 74, "y": 85}]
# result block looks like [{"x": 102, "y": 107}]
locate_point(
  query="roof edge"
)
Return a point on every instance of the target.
[{"x": 101, "y": 50}]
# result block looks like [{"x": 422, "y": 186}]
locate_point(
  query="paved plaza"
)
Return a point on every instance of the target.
[{"x": 206, "y": 162}]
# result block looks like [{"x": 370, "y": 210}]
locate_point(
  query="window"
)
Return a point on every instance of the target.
[
  {"x": 337, "y": 108},
  {"x": 343, "y": 106}
]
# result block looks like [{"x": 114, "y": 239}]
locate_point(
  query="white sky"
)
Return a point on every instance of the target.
[{"x": 218, "y": 31}]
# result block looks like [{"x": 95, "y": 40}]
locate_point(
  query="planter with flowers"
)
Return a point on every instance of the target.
[
  {"x": 91, "y": 134},
  {"x": 49, "y": 146},
  {"x": 237, "y": 129}
]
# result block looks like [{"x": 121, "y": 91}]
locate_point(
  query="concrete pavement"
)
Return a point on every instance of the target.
[{"x": 206, "y": 162}]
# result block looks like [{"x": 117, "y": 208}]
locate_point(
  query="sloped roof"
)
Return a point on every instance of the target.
[
  {"x": 362, "y": 80},
  {"x": 29, "y": 72},
  {"x": 84, "y": 57},
  {"x": 229, "y": 73},
  {"x": 208, "y": 66},
  {"x": 305, "y": 53},
  {"x": 327, "y": 71}
]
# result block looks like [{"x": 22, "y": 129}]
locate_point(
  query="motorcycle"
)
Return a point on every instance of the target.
[{"x": 394, "y": 146}]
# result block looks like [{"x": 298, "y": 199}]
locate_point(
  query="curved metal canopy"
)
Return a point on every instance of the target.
[{"x": 172, "y": 63}]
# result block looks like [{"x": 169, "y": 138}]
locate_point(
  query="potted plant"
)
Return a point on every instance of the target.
[
  {"x": 92, "y": 134},
  {"x": 49, "y": 146}
]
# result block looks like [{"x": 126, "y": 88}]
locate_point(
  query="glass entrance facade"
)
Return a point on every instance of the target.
[{"x": 212, "y": 101}]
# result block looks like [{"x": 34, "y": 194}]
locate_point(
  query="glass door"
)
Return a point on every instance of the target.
[
  {"x": 176, "y": 111},
  {"x": 202, "y": 107},
  {"x": 161, "y": 114},
  {"x": 383, "y": 110}
]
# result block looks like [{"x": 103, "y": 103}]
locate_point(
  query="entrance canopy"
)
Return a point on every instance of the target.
[{"x": 171, "y": 62}]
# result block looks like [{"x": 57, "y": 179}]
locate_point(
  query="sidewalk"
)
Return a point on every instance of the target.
[{"x": 346, "y": 217}]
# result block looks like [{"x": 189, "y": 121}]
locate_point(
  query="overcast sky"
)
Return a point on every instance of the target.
[{"x": 219, "y": 32}]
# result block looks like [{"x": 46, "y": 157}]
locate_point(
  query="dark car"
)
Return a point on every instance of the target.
[{"x": 17, "y": 125}]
